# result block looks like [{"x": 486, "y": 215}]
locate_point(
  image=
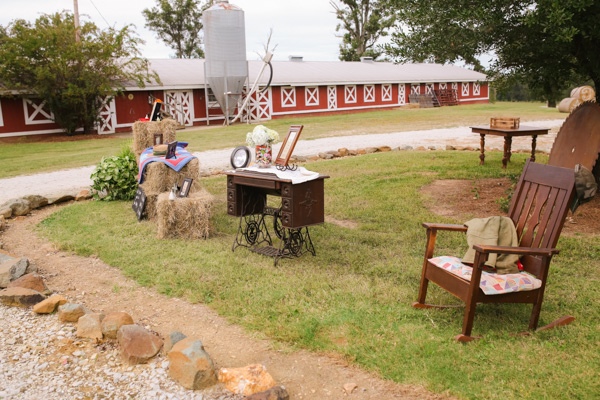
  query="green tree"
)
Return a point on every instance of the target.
[
  {"x": 178, "y": 23},
  {"x": 549, "y": 43},
  {"x": 363, "y": 23},
  {"x": 43, "y": 60}
]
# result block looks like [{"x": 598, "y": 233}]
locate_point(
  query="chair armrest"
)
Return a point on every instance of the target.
[
  {"x": 526, "y": 251},
  {"x": 445, "y": 227}
]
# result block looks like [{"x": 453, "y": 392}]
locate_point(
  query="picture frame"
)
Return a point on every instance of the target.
[
  {"x": 186, "y": 185},
  {"x": 171, "y": 150},
  {"x": 158, "y": 139},
  {"x": 155, "y": 114},
  {"x": 287, "y": 147}
]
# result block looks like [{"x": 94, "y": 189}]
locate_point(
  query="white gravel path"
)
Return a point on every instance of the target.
[{"x": 70, "y": 181}]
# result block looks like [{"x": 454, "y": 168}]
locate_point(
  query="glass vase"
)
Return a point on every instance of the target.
[{"x": 264, "y": 156}]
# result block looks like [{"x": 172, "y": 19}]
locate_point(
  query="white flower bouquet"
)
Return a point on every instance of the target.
[{"x": 261, "y": 135}]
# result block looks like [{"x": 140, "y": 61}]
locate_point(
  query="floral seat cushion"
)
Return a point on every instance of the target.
[{"x": 490, "y": 283}]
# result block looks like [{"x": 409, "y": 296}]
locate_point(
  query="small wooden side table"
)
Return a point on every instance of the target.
[{"x": 508, "y": 134}]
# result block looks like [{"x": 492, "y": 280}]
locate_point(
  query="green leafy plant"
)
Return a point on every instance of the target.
[{"x": 115, "y": 178}]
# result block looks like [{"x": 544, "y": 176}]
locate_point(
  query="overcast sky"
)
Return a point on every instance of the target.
[{"x": 300, "y": 27}]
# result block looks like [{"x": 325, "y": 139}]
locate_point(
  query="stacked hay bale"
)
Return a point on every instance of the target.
[
  {"x": 143, "y": 133},
  {"x": 159, "y": 179},
  {"x": 184, "y": 217},
  {"x": 578, "y": 95}
]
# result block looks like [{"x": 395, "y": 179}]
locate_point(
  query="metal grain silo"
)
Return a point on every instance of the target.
[{"x": 225, "y": 67}]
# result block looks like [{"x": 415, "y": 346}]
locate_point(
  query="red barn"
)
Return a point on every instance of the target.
[{"x": 297, "y": 87}]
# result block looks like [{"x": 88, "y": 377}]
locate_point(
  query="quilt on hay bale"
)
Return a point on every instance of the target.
[{"x": 161, "y": 173}]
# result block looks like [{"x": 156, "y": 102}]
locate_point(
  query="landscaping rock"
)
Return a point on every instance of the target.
[
  {"x": 137, "y": 344},
  {"x": 170, "y": 341},
  {"x": 247, "y": 380},
  {"x": 6, "y": 211},
  {"x": 20, "y": 297},
  {"x": 190, "y": 365},
  {"x": 90, "y": 326},
  {"x": 112, "y": 322},
  {"x": 70, "y": 312},
  {"x": 30, "y": 281},
  {"x": 36, "y": 201},
  {"x": 61, "y": 199},
  {"x": 275, "y": 393},
  {"x": 2, "y": 221},
  {"x": 19, "y": 207},
  {"x": 49, "y": 305},
  {"x": 12, "y": 268},
  {"x": 84, "y": 194}
]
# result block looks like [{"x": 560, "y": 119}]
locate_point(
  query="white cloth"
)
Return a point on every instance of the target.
[{"x": 298, "y": 176}]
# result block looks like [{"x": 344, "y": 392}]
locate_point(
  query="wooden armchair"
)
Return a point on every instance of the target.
[{"x": 538, "y": 209}]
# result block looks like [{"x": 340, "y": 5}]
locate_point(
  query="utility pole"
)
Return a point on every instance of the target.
[{"x": 76, "y": 16}]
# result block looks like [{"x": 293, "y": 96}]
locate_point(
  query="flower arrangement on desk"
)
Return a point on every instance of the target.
[
  {"x": 261, "y": 135},
  {"x": 262, "y": 138}
]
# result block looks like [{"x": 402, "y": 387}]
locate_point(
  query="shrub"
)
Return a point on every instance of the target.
[{"x": 115, "y": 178}]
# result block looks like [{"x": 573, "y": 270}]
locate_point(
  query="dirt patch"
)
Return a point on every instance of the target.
[
  {"x": 466, "y": 199},
  {"x": 102, "y": 288}
]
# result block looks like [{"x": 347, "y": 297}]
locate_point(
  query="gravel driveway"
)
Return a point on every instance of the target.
[{"x": 70, "y": 181}]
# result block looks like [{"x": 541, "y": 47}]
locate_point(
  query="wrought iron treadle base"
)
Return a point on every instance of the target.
[{"x": 253, "y": 234}]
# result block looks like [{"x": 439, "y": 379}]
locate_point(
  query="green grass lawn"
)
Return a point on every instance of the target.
[
  {"x": 354, "y": 297},
  {"x": 44, "y": 157}
]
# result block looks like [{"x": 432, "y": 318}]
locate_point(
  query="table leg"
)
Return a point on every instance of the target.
[
  {"x": 481, "y": 148},
  {"x": 533, "y": 143},
  {"x": 507, "y": 152}
]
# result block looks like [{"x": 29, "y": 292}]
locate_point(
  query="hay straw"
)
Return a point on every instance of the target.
[
  {"x": 159, "y": 177},
  {"x": 584, "y": 93},
  {"x": 187, "y": 218},
  {"x": 143, "y": 133},
  {"x": 568, "y": 104}
]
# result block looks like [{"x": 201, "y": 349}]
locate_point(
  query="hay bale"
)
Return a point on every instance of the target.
[
  {"x": 143, "y": 133},
  {"x": 159, "y": 177},
  {"x": 584, "y": 93},
  {"x": 186, "y": 217},
  {"x": 568, "y": 104},
  {"x": 152, "y": 197},
  {"x": 151, "y": 200}
]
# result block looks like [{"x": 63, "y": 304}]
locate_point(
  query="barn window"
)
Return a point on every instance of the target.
[
  {"x": 386, "y": 92},
  {"x": 401, "y": 93},
  {"x": 455, "y": 86},
  {"x": 429, "y": 89},
  {"x": 443, "y": 86},
  {"x": 311, "y": 96},
  {"x": 415, "y": 89},
  {"x": 331, "y": 97},
  {"x": 476, "y": 89},
  {"x": 350, "y": 94},
  {"x": 369, "y": 93},
  {"x": 288, "y": 97},
  {"x": 465, "y": 89},
  {"x": 37, "y": 112}
]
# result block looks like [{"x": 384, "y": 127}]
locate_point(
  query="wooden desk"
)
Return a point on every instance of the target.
[
  {"x": 302, "y": 205},
  {"x": 508, "y": 134}
]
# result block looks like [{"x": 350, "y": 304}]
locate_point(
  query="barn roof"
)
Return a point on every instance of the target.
[{"x": 189, "y": 73}]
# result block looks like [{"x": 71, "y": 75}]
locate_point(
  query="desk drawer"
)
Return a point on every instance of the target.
[{"x": 258, "y": 183}]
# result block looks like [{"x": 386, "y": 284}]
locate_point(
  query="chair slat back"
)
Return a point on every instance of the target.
[{"x": 540, "y": 204}]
